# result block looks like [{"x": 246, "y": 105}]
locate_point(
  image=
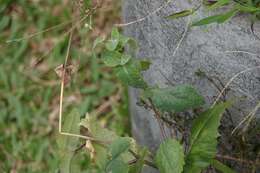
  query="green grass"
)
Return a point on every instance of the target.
[{"x": 29, "y": 94}]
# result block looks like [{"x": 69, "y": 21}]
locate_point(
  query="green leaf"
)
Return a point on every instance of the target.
[
  {"x": 111, "y": 58},
  {"x": 68, "y": 144},
  {"x": 221, "y": 18},
  {"x": 98, "y": 41},
  {"x": 117, "y": 166},
  {"x": 112, "y": 44},
  {"x": 218, "y": 4},
  {"x": 101, "y": 134},
  {"x": 144, "y": 65},
  {"x": 138, "y": 167},
  {"x": 247, "y": 8},
  {"x": 123, "y": 40},
  {"x": 129, "y": 74},
  {"x": 119, "y": 146},
  {"x": 124, "y": 59},
  {"x": 96, "y": 131},
  {"x": 170, "y": 157},
  {"x": 4, "y": 22},
  {"x": 176, "y": 99},
  {"x": 180, "y": 14},
  {"x": 203, "y": 140},
  {"x": 221, "y": 167}
]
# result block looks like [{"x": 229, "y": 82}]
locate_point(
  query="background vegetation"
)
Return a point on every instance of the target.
[{"x": 29, "y": 86}]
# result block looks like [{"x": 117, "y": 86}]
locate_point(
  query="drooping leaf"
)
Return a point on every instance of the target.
[
  {"x": 170, "y": 157},
  {"x": 180, "y": 14},
  {"x": 119, "y": 146},
  {"x": 203, "y": 140},
  {"x": 67, "y": 144},
  {"x": 221, "y": 18},
  {"x": 112, "y": 43},
  {"x": 178, "y": 99},
  {"x": 111, "y": 58},
  {"x": 221, "y": 167},
  {"x": 129, "y": 74}
]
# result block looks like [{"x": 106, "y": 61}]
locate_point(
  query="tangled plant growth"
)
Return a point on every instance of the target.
[
  {"x": 111, "y": 153},
  {"x": 104, "y": 151}
]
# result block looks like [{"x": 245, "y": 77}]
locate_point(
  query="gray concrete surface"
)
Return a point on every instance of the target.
[{"x": 202, "y": 48}]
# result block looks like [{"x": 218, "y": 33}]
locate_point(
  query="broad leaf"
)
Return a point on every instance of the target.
[
  {"x": 129, "y": 74},
  {"x": 178, "y": 99},
  {"x": 112, "y": 44},
  {"x": 67, "y": 144},
  {"x": 124, "y": 59},
  {"x": 170, "y": 157},
  {"x": 180, "y": 14},
  {"x": 123, "y": 40},
  {"x": 221, "y": 167},
  {"x": 221, "y": 18},
  {"x": 112, "y": 58},
  {"x": 96, "y": 131},
  {"x": 203, "y": 140},
  {"x": 117, "y": 166},
  {"x": 119, "y": 146}
]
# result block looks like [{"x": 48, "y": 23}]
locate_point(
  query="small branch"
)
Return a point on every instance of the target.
[
  {"x": 137, "y": 157},
  {"x": 158, "y": 118},
  {"x": 145, "y": 17},
  {"x": 249, "y": 162},
  {"x": 231, "y": 80}
]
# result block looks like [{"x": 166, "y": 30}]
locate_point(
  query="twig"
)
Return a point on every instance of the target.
[
  {"x": 163, "y": 75},
  {"x": 244, "y": 52},
  {"x": 250, "y": 162},
  {"x": 38, "y": 33},
  {"x": 137, "y": 157},
  {"x": 61, "y": 98},
  {"x": 182, "y": 38},
  {"x": 145, "y": 17},
  {"x": 247, "y": 118},
  {"x": 158, "y": 118},
  {"x": 231, "y": 80},
  {"x": 63, "y": 83}
]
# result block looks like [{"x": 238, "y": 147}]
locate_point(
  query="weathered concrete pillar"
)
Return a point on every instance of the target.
[{"x": 206, "y": 48}]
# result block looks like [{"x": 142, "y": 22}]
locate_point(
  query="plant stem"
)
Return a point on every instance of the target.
[
  {"x": 147, "y": 162},
  {"x": 158, "y": 118},
  {"x": 250, "y": 162}
]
